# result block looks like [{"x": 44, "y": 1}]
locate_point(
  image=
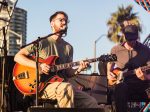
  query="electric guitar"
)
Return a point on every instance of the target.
[
  {"x": 119, "y": 75},
  {"x": 24, "y": 77}
]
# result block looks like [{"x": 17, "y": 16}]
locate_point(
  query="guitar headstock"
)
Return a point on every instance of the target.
[{"x": 108, "y": 58}]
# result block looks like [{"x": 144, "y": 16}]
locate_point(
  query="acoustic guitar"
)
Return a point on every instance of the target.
[
  {"x": 24, "y": 77},
  {"x": 119, "y": 74}
]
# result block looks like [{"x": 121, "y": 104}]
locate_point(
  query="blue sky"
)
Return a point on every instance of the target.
[{"x": 88, "y": 20}]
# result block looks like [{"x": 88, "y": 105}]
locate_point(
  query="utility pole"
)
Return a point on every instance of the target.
[
  {"x": 18, "y": 35},
  {"x": 95, "y": 42}
]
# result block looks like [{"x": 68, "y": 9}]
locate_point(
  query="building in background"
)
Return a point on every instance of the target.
[{"x": 16, "y": 31}]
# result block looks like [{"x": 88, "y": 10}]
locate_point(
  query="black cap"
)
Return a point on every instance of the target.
[{"x": 131, "y": 32}]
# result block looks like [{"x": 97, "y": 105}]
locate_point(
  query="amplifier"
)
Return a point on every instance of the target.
[{"x": 95, "y": 85}]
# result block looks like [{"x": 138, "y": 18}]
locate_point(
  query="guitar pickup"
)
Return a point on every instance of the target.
[{"x": 23, "y": 75}]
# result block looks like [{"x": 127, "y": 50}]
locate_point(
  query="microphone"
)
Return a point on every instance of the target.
[
  {"x": 64, "y": 28},
  {"x": 89, "y": 66},
  {"x": 4, "y": 3}
]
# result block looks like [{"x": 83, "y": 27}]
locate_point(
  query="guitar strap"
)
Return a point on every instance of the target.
[
  {"x": 130, "y": 65},
  {"x": 130, "y": 54}
]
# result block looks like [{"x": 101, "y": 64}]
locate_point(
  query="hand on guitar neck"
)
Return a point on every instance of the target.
[
  {"x": 140, "y": 74},
  {"x": 83, "y": 65}
]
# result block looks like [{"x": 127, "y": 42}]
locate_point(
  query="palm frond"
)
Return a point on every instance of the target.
[{"x": 117, "y": 19}]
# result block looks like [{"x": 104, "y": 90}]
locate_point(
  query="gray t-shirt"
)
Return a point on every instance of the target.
[{"x": 50, "y": 47}]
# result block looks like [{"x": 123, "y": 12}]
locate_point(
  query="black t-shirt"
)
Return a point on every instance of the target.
[{"x": 131, "y": 59}]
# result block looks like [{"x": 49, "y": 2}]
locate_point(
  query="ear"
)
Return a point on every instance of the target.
[{"x": 52, "y": 23}]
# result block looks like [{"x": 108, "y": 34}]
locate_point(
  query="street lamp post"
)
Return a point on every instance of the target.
[
  {"x": 18, "y": 35},
  {"x": 95, "y": 42}
]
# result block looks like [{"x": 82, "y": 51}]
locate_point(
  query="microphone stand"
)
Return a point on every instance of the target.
[
  {"x": 3, "y": 106},
  {"x": 36, "y": 44},
  {"x": 37, "y": 71}
]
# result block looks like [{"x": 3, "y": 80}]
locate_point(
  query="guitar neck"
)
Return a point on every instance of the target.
[
  {"x": 102, "y": 58},
  {"x": 72, "y": 64},
  {"x": 128, "y": 73},
  {"x": 144, "y": 68}
]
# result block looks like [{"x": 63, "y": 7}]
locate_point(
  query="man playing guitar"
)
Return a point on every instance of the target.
[
  {"x": 131, "y": 56},
  {"x": 56, "y": 46}
]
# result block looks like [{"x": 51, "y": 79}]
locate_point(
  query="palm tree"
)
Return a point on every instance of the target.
[{"x": 118, "y": 20}]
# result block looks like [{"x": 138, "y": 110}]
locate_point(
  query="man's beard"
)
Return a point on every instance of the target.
[{"x": 63, "y": 32}]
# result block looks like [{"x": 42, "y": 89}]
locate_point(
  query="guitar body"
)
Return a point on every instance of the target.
[
  {"x": 116, "y": 72},
  {"x": 24, "y": 77}
]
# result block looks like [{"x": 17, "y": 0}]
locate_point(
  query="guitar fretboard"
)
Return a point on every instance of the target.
[
  {"x": 144, "y": 68},
  {"x": 103, "y": 58},
  {"x": 73, "y": 64}
]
